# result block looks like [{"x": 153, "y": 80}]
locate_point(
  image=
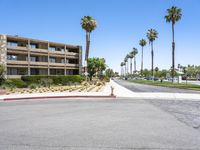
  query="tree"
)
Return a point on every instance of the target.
[
  {"x": 156, "y": 70},
  {"x": 109, "y": 73},
  {"x": 146, "y": 72},
  {"x": 152, "y": 34},
  {"x": 2, "y": 72},
  {"x": 96, "y": 66},
  {"x": 142, "y": 44},
  {"x": 126, "y": 63},
  {"x": 88, "y": 24},
  {"x": 135, "y": 52},
  {"x": 173, "y": 16},
  {"x": 131, "y": 55},
  {"x": 122, "y": 70}
]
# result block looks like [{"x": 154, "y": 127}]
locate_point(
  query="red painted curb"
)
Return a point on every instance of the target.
[{"x": 50, "y": 97}]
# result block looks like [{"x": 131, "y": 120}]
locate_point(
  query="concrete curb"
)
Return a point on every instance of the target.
[{"x": 52, "y": 97}]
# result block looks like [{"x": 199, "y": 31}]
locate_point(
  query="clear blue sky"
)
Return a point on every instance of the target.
[{"x": 121, "y": 24}]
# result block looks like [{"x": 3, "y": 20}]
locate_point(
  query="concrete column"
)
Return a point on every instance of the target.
[
  {"x": 3, "y": 52},
  {"x": 65, "y": 62},
  {"x": 80, "y": 60},
  {"x": 48, "y": 60},
  {"x": 29, "y": 58}
]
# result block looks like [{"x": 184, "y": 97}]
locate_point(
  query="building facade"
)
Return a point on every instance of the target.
[{"x": 25, "y": 56}]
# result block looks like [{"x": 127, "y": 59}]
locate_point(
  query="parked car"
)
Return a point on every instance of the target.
[
  {"x": 175, "y": 79},
  {"x": 152, "y": 78}
]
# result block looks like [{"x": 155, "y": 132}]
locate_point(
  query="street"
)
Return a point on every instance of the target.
[
  {"x": 135, "y": 87},
  {"x": 97, "y": 124}
]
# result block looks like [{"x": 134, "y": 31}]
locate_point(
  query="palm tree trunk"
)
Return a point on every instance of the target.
[
  {"x": 87, "y": 52},
  {"x": 87, "y": 46},
  {"x": 127, "y": 68},
  {"x": 173, "y": 54},
  {"x": 152, "y": 61},
  {"x": 142, "y": 62},
  {"x": 134, "y": 64},
  {"x": 131, "y": 68}
]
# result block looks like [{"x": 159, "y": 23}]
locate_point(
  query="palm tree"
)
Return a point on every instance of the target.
[
  {"x": 173, "y": 15},
  {"x": 152, "y": 34},
  {"x": 122, "y": 71},
  {"x": 127, "y": 57},
  {"x": 156, "y": 70},
  {"x": 88, "y": 24},
  {"x": 135, "y": 52},
  {"x": 142, "y": 44},
  {"x": 125, "y": 62},
  {"x": 131, "y": 55}
]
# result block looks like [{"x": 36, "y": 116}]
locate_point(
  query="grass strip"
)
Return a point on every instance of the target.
[{"x": 168, "y": 84}]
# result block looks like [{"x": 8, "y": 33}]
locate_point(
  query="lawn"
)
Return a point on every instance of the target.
[{"x": 168, "y": 84}]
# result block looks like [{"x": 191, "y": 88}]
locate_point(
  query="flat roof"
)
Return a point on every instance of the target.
[{"x": 40, "y": 41}]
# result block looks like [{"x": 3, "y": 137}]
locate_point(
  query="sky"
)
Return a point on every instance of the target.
[{"x": 120, "y": 26}]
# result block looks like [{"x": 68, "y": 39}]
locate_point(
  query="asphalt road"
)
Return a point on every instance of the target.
[
  {"x": 135, "y": 87},
  {"x": 92, "y": 125}
]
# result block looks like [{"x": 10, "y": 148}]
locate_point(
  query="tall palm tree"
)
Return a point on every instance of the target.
[
  {"x": 125, "y": 61},
  {"x": 173, "y": 16},
  {"x": 142, "y": 44},
  {"x": 127, "y": 57},
  {"x": 131, "y": 55},
  {"x": 135, "y": 52},
  {"x": 152, "y": 34},
  {"x": 122, "y": 71},
  {"x": 88, "y": 24}
]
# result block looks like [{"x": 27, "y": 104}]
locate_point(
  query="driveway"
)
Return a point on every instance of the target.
[
  {"x": 135, "y": 87},
  {"x": 92, "y": 125}
]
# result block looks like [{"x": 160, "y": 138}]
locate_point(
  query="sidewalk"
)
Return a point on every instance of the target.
[
  {"x": 119, "y": 91},
  {"x": 105, "y": 93}
]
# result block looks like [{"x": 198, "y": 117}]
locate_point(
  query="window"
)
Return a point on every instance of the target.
[
  {"x": 12, "y": 44},
  {"x": 33, "y": 58},
  {"x": 11, "y": 57},
  {"x": 12, "y": 71},
  {"x": 52, "y": 48},
  {"x": 33, "y": 46},
  {"x": 61, "y": 49},
  {"x": 52, "y": 60},
  {"x": 62, "y": 61}
]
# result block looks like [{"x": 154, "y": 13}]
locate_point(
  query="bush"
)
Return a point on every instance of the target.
[
  {"x": 63, "y": 80},
  {"x": 1, "y": 80},
  {"x": 105, "y": 78},
  {"x": 46, "y": 82},
  {"x": 15, "y": 83},
  {"x": 33, "y": 86}
]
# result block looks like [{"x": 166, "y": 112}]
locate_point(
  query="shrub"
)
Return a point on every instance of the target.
[
  {"x": 46, "y": 82},
  {"x": 63, "y": 80},
  {"x": 15, "y": 83},
  {"x": 33, "y": 86}
]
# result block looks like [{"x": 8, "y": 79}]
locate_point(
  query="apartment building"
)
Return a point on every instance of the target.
[{"x": 26, "y": 56}]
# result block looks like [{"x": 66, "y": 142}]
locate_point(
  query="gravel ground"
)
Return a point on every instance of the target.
[{"x": 185, "y": 111}]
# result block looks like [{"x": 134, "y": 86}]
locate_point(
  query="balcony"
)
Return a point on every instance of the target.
[
  {"x": 19, "y": 48},
  {"x": 17, "y": 62},
  {"x": 56, "y": 52},
  {"x": 72, "y": 66},
  {"x": 39, "y": 63},
  {"x": 57, "y": 64},
  {"x": 38, "y": 50}
]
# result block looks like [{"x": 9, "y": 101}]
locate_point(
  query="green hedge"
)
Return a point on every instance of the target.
[
  {"x": 64, "y": 80},
  {"x": 15, "y": 83}
]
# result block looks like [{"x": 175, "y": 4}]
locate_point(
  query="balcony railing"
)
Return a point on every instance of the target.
[
  {"x": 20, "y": 48},
  {"x": 39, "y": 63},
  {"x": 17, "y": 62}
]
